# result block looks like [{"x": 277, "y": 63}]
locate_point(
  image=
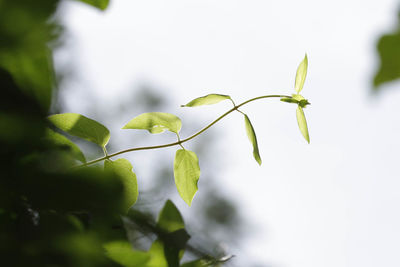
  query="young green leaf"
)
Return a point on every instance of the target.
[
  {"x": 301, "y": 121},
  {"x": 61, "y": 141},
  {"x": 196, "y": 263},
  {"x": 301, "y": 75},
  {"x": 187, "y": 174},
  {"x": 155, "y": 122},
  {"x": 122, "y": 169},
  {"x": 100, "y": 4},
  {"x": 81, "y": 126},
  {"x": 170, "y": 219},
  {"x": 207, "y": 100},
  {"x": 253, "y": 139},
  {"x": 123, "y": 253}
]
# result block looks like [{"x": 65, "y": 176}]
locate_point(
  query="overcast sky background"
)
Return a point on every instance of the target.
[{"x": 331, "y": 203}]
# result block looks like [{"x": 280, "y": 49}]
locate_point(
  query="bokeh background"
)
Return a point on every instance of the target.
[{"x": 331, "y": 203}]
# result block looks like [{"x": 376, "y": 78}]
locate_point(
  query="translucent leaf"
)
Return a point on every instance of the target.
[
  {"x": 301, "y": 75},
  {"x": 81, "y": 126},
  {"x": 63, "y": 142},
  {"x": 122, "y": 169},
  {"x": 123, "y": 253},
  {"x": 155, "y": 122},
  {"x": 187, "y": 174},
  {"x": 100, "y": 4},
  {"x": 207, "y": 100},
  {"x": 170, "y": 219},
  {"x": 301, "y": 121},
  {"x": 253, "y": 139}
]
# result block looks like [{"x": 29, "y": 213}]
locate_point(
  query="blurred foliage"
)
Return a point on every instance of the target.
[
  {"x": 50, "y": 214},
  {"x": 389, "y": 55}
]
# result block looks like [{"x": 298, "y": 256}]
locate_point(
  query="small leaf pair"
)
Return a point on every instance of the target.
[{"x": 299, "y": 99}]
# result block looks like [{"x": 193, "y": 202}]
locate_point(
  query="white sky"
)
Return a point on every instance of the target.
[{"x": 331, "y": 203}]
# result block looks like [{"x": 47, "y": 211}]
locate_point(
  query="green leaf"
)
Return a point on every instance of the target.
[
  {"x": 100, "y": 4},
  {"x": 122, "y": 169},
  {"x": 301, "y": 75},
  {"x": 81, "y": 126},
  {"x": 253, "y": 139},
  {"x": 156, "y": 253},
  {"x": 170, "y": 219},
  {"x": 155, "y": 122},
  {"x": 122, "y": 253},
  {"x": 207, "y": 100},
  {"x": 389, "y": 55},
  {"x": 196, "y": 263},
  {"x": 301, "y": 121},
  {"x": 187, "y": 174},
  {"x": 61, "y": 141}
]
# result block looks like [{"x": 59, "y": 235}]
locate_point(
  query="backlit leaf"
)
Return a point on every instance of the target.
[
  {"x": 207, "y": 100},
  {"x": 187, "y": 174},
  {"x": 81, "y": 126},
  {"x": 155, "y": 122},
  {"x": 64, "y": 143},
  {"x": 301, "y": 120},
  {"x": 123, "y": 253},
  {"x": 253, "y": 139},
  {"x": 100, "y": 4},
  {"x": 122, "y": 169},
  {"x": 301, "y": 75}
]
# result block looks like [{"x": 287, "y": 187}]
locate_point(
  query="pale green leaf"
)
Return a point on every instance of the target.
[
  {"x": 81, "y": 126},
  {"x": 253, "y": 139},
  {"x": 170, "y": 219},
  {"x": 187, "y": 174},
  {"x": 100, "y": 4},
  {"x": 123, "y": 253},
  {"x": 301, "y": 121},
  {"x": 122, "y": 169},
  {"x": 301, "y": 75},
  {"x": 207, "y": 100},
  {"x": 63, "y": 142},
  {"x": 155, "y": 122}
]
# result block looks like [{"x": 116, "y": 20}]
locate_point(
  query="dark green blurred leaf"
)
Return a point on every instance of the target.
[
  {"x": 155, "y": 122},
  {"x": 207, "y": 100},
  {"x": 26, "y": 34},
  {"x": 251, "y": 134},
  {"x": 81, "y": 126},
  {"x": 187, "y": 174},
  {"x": 63, "y": 142},
  {"x": 170, "y": 219},
  {"x": 389, "y": 55},
  {"x": 123, "y": 253},
  {"x": 196, "y": 263},
  {"x": 122, "y": 170},
  {"x": 101, "y": 4}
]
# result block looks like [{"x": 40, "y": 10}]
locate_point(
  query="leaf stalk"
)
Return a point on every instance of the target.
[{"x": 180, "y": 142}]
